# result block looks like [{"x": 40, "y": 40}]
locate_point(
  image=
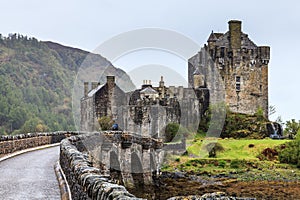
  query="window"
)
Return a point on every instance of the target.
[
  {"x": 238, "y": 87},
  {"x": 238, "y": 83},
  {"x": 222, "y": 53},
  {"x": 260, "y": 88}
]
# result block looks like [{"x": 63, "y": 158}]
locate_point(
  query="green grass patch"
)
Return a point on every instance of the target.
[{"x": 247, "y": 149}]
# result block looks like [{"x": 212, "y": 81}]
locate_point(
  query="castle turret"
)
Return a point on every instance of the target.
[{"x": 264, "y": 54}]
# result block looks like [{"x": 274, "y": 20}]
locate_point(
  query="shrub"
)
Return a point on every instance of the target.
[
  {"x": 213, "y": 148},
  {"x": 291, "y": 152},
  {"x": 171, "y": 131},
  {"x": 222, "y": 163},
  {"x": 237, "y": 163},
  {"x": 105, "y": 123}
]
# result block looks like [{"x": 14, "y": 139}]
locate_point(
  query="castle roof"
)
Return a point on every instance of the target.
[
  {"x": 223, "y": 41},
  {"x": 214, "y": 36},
  {"x": 196, "y": 72},
  {"x": 149, "y": 90},
  {"x": 93, "y": 91}
]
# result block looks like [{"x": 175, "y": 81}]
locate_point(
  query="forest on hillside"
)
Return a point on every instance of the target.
[{"x": 36, "y": 82}]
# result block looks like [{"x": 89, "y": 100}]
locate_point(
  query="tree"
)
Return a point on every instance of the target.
[
  {"x": 272, "y": 110},
  {"x": 292, "y": 127},
  {"x": 279, "y": 120}
]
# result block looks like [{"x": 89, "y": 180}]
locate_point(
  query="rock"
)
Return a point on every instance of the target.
[{"x": 210, "y": 196}]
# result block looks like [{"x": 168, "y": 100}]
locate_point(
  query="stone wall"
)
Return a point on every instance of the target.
[
  {"x": 85, "y": 181},
  {"x": 13, "y": 143}
]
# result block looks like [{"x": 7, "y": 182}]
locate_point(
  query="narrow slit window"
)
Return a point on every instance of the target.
[
  {"x": 238, "y": 83},
  {"x": 260, "y": 88},
  {"x": 238, "y": 87}
]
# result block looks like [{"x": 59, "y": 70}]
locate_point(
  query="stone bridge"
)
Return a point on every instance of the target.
[
  {"x": 95, "y": 165},
  {"x": 126, "y": 158}
]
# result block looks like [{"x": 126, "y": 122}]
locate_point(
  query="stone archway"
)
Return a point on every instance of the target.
[
  {"x": 153, "y": 164},
  {"x": 115, "y": 168},
  {"x": 137, "y": 171}
]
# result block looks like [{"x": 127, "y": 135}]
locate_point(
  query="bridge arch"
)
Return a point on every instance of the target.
[
  {"x": 137, "y": 170},
  {"x": 115, "y": 167}
]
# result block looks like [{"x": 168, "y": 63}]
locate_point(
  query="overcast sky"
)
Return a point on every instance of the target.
[{"x": 87, "y": 24}]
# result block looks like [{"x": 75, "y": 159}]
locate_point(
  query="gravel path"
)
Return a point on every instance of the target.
[{"x": 30, "y": 176}]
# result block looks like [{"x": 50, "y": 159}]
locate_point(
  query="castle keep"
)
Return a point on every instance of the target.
[
  {"x": 229, "y": 67},
  {"x": 146, "y": 110},
  {"x": 240, "y": 63}
]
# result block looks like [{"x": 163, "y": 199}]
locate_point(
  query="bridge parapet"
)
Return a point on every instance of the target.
[
  {"x": 85, "y": 181},
  {"x": 13, "y": 143}
]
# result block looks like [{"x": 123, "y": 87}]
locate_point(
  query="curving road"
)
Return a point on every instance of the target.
[{"x": 30, "y": 176}]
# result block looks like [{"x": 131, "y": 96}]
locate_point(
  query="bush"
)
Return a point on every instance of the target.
[
  {"x": 222, "y": 163},
  {"x": 213, "y": 148},
  {"x": 291, "y": 152},
  {"x": 105, "y": 123},
  {"x": 171, "y": 131},
  {"x": 236, "y": 164},
  {"x": 174, "y": 132}
]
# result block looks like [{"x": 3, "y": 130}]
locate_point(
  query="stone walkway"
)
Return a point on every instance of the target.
[{"x": 30, "y": 176}]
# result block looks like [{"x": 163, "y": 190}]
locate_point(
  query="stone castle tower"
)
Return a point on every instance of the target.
[{"x": 241, "y": 64}]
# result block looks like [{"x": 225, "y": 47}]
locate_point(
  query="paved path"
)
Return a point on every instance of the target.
[{"x": 30, "y": 176}]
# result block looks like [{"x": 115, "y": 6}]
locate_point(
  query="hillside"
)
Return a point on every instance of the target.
[{"x": 36, "y": 82}]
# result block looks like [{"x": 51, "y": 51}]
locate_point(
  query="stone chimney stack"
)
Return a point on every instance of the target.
[
  {"x": 94, "y": 85},
  {"x": 235, "y": 32},
  {"x": 86, "y": 89},
  {"x": 161, "y": 82},
  {"x": 110, "y": 81}
]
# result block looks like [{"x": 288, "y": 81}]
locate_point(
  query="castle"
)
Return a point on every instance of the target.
[
  {"x": 146, "y": 110},
  {"x": 242, "y": 66},
  {"x": 230, "y": 65}
]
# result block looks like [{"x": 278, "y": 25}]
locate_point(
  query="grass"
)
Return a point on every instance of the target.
[{"x": 235, "y": 149}]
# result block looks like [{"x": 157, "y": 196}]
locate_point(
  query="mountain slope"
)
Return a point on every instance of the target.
[{"x": 36, "y": 81}]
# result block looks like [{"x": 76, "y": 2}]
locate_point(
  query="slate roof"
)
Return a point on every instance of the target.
[
  {"x": 149, "y": 90},
  {"x": 214, "y": 36},
  {"x": 93, "y": 91}
]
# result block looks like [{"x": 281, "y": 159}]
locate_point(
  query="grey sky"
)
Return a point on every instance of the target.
[{"x": 87, "y": 24}]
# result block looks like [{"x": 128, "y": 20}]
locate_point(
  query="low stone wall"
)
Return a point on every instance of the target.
[
  {"x": 13, "y": 143},
  {"x": 87, "y": 182}
]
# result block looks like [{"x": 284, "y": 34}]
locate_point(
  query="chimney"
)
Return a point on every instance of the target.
[
  {"x": 86, "y": 89},
  {"x": 110, "y": 81},
  {"x": 235, "y": 32},
  {"x": 94, "y": 85},
  {"x": 161, "y": 82}
]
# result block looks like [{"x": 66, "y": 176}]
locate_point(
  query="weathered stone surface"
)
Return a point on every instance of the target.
[
  {"x": 10, "y": 144},
  {"x": 86, "y": 181},
  {"x": 242, "y": 67}
]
